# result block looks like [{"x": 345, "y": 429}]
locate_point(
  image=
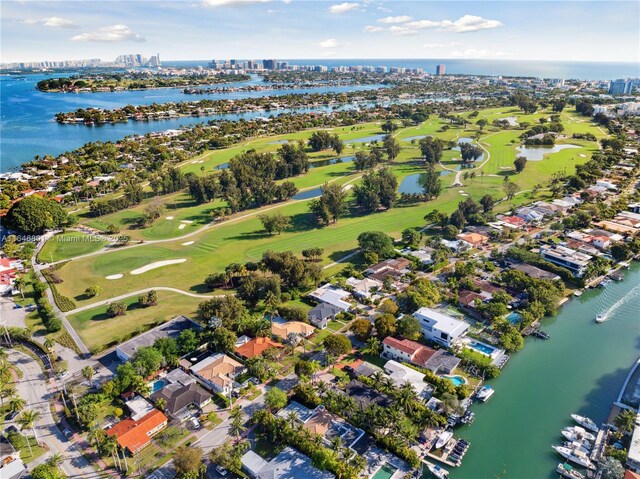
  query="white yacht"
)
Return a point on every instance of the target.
[
  {"x": 577, "y": 446},
  {"x": 585, "y": 422},
  {"x": 600, "y": 318},
  {"x": 485, "y": 393},
  {"x": 571, "y": 455},
  {"x": 444, "y": 438},
  {"x": 438, "y": 471},
  {"x": 576, "y": 433}
]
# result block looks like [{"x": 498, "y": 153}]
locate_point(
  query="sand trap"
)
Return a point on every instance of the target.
[
  {"x": 188, "y": 243},
  {"x": 582, "y": 156},
  {"x": 169, "y": 217},
  {"x": 114, "y": 276},
  {"x": 348, "y": 187},
  {"x": 157, "y": 264},
  {"x": 182, "y": 226},
  {"x": 186, "y": 221},
  {"x": 461, "y": 191},
  {"x": 506, "y": 168},
  {"x": 464, "y": 194}
]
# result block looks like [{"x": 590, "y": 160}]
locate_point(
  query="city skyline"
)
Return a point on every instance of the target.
[{"x": 366, "y": 29}]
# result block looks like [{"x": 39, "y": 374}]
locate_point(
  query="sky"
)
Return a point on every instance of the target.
[{"x": 289, "y": 29}]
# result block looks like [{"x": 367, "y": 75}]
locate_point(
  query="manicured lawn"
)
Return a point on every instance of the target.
[
  {"x": 241, "y": 238},
  {"x": 97, "y": 330},
  {"x": 68, "y": 245}
]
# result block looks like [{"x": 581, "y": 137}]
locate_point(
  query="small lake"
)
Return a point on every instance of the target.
[
  {"x": 536, "y": 153},
  {"x": 332, "y": 161},
  {"x": 308, "y": 194},
  {"x": 417, "y": 137},
  {"x": 279, "y": 142},
  {"x": 367, "y": 139}
]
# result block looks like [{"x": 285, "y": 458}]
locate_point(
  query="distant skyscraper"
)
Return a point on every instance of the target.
[
  {"x": 440, "y": 69},
  {"x": 620, "y": 87},
  {"x": 269, "y": 64}
]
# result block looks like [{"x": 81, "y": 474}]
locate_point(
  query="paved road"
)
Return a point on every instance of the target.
[{"x": 34, "y": 390}]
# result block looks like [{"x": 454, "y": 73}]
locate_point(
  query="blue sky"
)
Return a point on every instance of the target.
[{"x": 256, "y": 29}]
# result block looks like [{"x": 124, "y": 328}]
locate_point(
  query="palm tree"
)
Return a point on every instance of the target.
[
  {"x": 625, "y": 421},
  {"x": 27, "y": 421},
  {"x": 3, "y": 355},
  {"x": 110, "y": 446},
  {"x": 19, "y": 284},
  {"x": 373, "y": 346},
  {"x": 49, "y": 343},
  {"x": 406, "y": 398},
  {"x": 17, "y": 404},
  {"x": 161, "y": 403},
  {"x": 377, "y": 378},
  {"x": 6, "y": 392},
  {"x": 97, "y": 435},
  {"x": 87, "y": 373},
  {"x": 56, "y": 460}
]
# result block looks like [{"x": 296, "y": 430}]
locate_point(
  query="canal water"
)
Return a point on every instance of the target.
[{"x": 579, "y": 370}]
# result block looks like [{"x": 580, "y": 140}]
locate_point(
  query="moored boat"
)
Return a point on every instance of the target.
[
  {"x": 585, "y": 422},
  {"x": 485, "y": 393},
  {"x": 571, "y": 455},
  {"x": 444, "y": 438},
  {"x": 438, "y": 471},
  {"x": 577, "y": 433},
  {"x": 567, "y": 470}
]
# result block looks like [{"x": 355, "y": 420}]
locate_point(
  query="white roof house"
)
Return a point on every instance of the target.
[
  {"x": 363, "y": 287},
  {"x": 401, "y": 374},
  {"x": 439, "y": 327},
  {"x": 331, "y": 295}
]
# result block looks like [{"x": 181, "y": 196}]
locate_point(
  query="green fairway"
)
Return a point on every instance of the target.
[
  {"x": 69, "y": 245},
  {"x": 241, "y": 237},
  {"x": 99, "y": 331}
]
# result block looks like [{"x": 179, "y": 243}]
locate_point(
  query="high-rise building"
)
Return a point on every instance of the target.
[
  {"x": 440, "y": 69},
  {"x": 269, "y": 64},
  {"x": 620, "y": 87}
]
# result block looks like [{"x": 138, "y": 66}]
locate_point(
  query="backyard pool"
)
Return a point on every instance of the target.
[
  {"x": 514, "y": 317},
  {"x": 482, "y": 347},
  {"x": 158, "y": 385},
  {"x": 385, "y": 472},
  {"x": 456, "y": 380}
]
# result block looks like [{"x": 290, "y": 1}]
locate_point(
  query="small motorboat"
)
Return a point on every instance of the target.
[
  {"x": 438, "y": 471},
  {"x": 585, "y": 422},
  {"x": 567, "y": 470},
  {"x": 575, "y": 433},
  {"x": 600, "y": 318},
  {"x": 577, "y": 446},
  {"x": 485, "y": 393}
]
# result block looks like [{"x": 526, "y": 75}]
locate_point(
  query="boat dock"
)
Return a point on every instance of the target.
[{"x": 598, "y": 447}]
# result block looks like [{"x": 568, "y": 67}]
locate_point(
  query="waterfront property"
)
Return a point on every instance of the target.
[
  {"x": 573, "y": 260},
  {"x": 407, "y": 351},
  {"x": 288, "y": 464},
  {"x": 441, "y": 328}
]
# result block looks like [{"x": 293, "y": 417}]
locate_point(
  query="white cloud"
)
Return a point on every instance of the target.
[
  {"x": 112, "y": 34},
  {"x": 466, "y": 23},
  {"x": 373, "y": 29},
  {"x": 476, "y": 53},
  {"x": 328, "y": 43},
  {"x": 398, "y": 19},
  {"x": 343, "y": 7},
  {"x": 54, "y": 22},
  {"x": 441, "y": 45},
  {"x": 224, "y": 3},
  {"x": 402, "y": 31}
]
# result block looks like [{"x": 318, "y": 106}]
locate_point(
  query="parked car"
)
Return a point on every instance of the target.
[
  {"x": 67, "y": 433},
  {"x": 63, "y": 374},
  {"x": 221, "y": 470},
  {"x": 195, "y": 423},
  {"x": 11, "y": 415}
]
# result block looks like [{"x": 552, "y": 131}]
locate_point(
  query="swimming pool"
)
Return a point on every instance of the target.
[
  {"x": 456, "y": 380},
  {"x": 482, "y": 347},
  {"x": 514, "y": 317},
  {"x": 385, "y": 472},
  {"x": 158, "y": 385}
]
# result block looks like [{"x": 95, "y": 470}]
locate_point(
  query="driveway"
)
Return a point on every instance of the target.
[{"x": 34, "y": 390}]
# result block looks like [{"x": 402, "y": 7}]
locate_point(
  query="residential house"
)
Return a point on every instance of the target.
[
  {"x": 289, "y": 464},
  {"x": 424, "y": 255},
  {"x": 474, "y": 239},
  {"x": 534, "y": 271},
  {"x": 443, "y": 362},
  {"x": 321, "y": 314},
  {"x": 468, "y": 299},
  {"x": 329, "y": 294},
  {"x": 441, "y": 328},
  {"x": 401, "y": 374},
  {"x": 457, "y": 246},
  {"x": 364, "y": 288},
  {"x": 170, "y": 329},
  {"x": 134, "y": 435},
  {"x": 11, "y": 466},
  {"x": 178, "y": 397},
  {"x": 568, "y": 258},
  {"x": 218, "y": 372},
  {"x": 396, "y": 268},
  {"x": 529, "y": 214},
  {"x": 255, "y": 347},
  {"x": 512, "y": 221},
  {"x": 406, "y": 350},
  {"x": 138, "y": 407},
  {"x": 282, "y": 329}
]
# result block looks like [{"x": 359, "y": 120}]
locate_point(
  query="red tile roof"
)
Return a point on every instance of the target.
[
  {"x": 468, "y": 298},
  {"x": 256, "y": 347},
  {"x": 404, "y": 345},
  {"x": 134, "y": 435}
]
